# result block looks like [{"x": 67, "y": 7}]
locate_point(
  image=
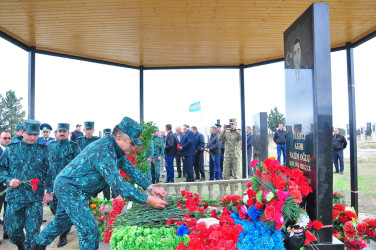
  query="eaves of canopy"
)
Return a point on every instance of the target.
[{"x": 168, "y": 34}]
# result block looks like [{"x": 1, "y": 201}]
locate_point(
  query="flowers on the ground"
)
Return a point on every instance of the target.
[
  {"x": 98, "y": 208},
  {"x": 117, "y": 207},
  {"x": 347, "y": 228}
]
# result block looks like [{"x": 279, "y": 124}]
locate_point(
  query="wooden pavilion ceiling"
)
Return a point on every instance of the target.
[{"x": 157, "y": 33}]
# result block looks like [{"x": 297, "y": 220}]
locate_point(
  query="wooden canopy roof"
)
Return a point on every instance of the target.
[{"x": 174, "y": 33}]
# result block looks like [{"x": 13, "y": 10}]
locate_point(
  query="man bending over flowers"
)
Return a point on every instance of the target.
[{"x": 87, "y": 175}]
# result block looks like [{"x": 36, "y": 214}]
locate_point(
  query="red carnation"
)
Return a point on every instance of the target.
[
  {"x": 317, "y": 225},
  {"x": 270, "y": 213},
  {"x": 181, "y": 246},
  {"x": 297, "y": 195},
  {"x": 361, "y": 228},
  {"x": 34, "y": 183},
  {"x": 279, "y": 183},
  {"x": 214, "y": 214},
  {"x": 350, "y": 214},
  {"x": 349, "y": 230},
  {"x": 335, "y": 214},
  {"x": 343, "y": 219},
  {"x": 339, "y": 207},
  {"x": 259, "y": 205},
  {"x": 370, "y": 232}
]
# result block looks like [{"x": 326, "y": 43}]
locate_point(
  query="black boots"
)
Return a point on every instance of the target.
[
  {"x": 63, "y": 239},
  {"x": 35, "y": 246}
]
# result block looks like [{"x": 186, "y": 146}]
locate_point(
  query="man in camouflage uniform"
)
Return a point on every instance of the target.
[
  {"x": 84, "y": 141},
  {"x": 107, "y": 189},
  {"x": 61, "y": 153},
  {"x": 22, "y": 161},
  {"x": 19, "y": 132},
  {"x": 232, "y": 157},
  {"x": 158, "y": 154},
  {"x": 87, "y": 175}
]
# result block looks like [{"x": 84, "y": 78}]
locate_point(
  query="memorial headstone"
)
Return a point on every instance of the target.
[
  {"x": 369, "y": 130},
  {"x": 309, "y": 112},
  {"x": 260, "y": 136},
  {"x": 362, "y": 134}
]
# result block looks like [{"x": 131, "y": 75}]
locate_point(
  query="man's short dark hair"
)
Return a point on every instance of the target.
[
  {"x": 117, "y": 131},
  {"x": 186, "y": 125},
  {"x": 169, "y": 127},
  {"x": 194, "y": 128}
]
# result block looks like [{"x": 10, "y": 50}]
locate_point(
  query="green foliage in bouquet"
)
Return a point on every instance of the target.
[
  {"x": 139, "y": 155},
  {"x": 146, "y": 216},
  {"x": 134, "y": 237}
]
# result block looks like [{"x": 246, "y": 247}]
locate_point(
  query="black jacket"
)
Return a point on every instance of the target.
[
  {"x": 339, "y": 142},
  {"x": 171, "y": 144},
  {"x": 279, "y": 137},
  {"x": 214, "y": 145},
  {"x": 75, "y": 135}
]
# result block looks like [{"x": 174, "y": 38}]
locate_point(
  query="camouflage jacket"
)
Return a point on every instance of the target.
[
  {"x": 93, "y": 169},
  {"x": 25, "y": 162},
  {"x": 83, "y": 142},
  {"x": 60, "y": 154},
  {"x": 233, "y": 141},
  {"x": 158, "y": 146},
  {"x": 16, "y": 138}
]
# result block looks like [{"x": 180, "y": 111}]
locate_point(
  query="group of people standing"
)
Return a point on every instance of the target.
[
  {"x": 223, "y": 147},
  {"x": 65, "y": 175}
]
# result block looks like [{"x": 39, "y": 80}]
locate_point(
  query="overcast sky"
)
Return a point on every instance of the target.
[{"x": 74, "y": 91}]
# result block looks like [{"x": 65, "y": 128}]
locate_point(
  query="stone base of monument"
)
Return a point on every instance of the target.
[{"x": 336, "y": 244}]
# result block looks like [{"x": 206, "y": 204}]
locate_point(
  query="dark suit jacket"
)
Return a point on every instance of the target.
[
  {"x": 188, "y": 144},
  {"x": 1, "y": 151}
]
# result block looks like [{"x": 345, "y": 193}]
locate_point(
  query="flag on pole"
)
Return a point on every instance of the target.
[{"x": 195, "y": 107}]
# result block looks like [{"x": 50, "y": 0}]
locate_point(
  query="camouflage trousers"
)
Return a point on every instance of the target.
[
  {"x": 20, "y": 216},
  {"x": 155, "y": 169},
  {"x": 72, "y": 208},
  {"x": 231, "y": 164}
]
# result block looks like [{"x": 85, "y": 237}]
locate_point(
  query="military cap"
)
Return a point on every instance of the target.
[
  {"x": 218, "y": 124},
  {"x": 45, "y": 126},
  {"x": 107, "y": 131},
  {"x": 132, "y": 128},
  {"x": 78, "y": 125},
  {"x": 19, "y": 127},
  {"x": 63, "y": 126},
  {"x": 89, "y": 125},
  {"x": 31, "y": 127},
  {"x": 233, "y": 120},
  {"x": 156, "y": 128}
]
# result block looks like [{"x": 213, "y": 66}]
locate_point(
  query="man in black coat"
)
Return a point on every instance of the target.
[
  {"x": 339, "y": 144},
  {"x": 170, "y": 152},
  {"x": 188, "y": 152},
  {"x": 179, "y": 137},
  {"x": 198, "y": 162},
  {"x": 214, "y": 149},
  {"x": 77, "y": 133},
  {"x": 280, "y": 139}
]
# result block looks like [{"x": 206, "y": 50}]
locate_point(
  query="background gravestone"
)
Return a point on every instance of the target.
[
  {"x": 309, "y": 112},
  {"x": 260, "y": 136}
]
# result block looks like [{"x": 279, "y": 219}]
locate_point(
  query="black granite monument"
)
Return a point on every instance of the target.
[
  {"x": 260, "y": 136},
  {"x": 309, "y": 112}
]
